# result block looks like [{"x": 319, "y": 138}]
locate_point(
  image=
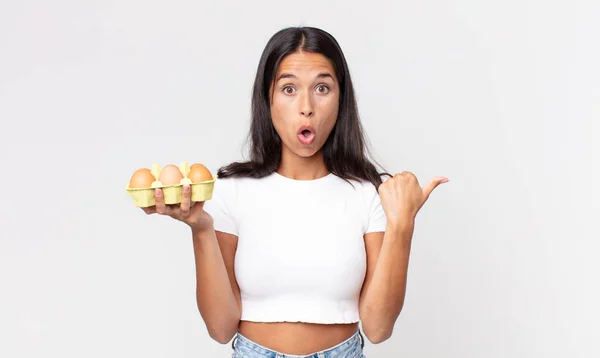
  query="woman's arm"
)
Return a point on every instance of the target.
[
  {"x": 217, "y": 292},
  {"x": 383, "y": 292},
  {"x": 387, "y": 253}
]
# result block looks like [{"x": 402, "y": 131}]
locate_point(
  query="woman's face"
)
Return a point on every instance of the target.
[{"x": 304, "y": 103}]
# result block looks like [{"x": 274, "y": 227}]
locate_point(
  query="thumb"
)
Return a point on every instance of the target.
[{"x": 427, "y": 189}]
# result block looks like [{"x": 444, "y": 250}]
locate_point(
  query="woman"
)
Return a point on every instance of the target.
[{"x": 304, "y": 240}]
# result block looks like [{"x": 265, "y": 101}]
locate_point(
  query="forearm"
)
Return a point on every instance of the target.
[
  {"x": 216, "y": 301},
  {"x": 385, "y": 294}
]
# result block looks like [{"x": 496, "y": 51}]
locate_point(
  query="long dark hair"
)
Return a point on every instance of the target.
[{"x": 345, "y": 151}]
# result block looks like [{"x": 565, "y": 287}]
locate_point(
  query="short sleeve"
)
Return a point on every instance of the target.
[
  {"x": 377, "y": 220},
  {"x": 221, "y": 206}
]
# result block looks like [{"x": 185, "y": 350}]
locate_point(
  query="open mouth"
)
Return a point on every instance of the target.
[{"x": 306, "y": 134}]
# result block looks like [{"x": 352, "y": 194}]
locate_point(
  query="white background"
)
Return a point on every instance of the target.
[{"x": 502, "y": 97}]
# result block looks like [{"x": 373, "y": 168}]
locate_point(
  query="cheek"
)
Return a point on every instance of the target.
[
  {"x": 279, "y": 113},
  {"x": 330, "y": 111},
  {"x": 280, "y": 107}
]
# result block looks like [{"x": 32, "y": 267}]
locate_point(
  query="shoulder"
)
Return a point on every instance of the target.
[
  {"x": 232, "y": 189},
  {"x": 364, "y": 187},
  {"x": 224, "y": 188}
]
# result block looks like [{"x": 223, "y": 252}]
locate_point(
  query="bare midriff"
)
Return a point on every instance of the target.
[{"x": 297, "y": 338}]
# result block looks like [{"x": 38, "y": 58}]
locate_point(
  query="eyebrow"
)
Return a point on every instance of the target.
[{"x": 290, "y": 75}]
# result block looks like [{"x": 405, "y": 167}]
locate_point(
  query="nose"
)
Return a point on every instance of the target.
[
  {"x": 306, "y": 113},
  {"x": 306, "y": 106}
]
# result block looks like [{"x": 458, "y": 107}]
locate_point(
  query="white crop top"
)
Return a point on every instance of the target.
[{"x": 301, "y": 253}]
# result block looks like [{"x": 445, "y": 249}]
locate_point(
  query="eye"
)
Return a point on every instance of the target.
[
  {"x": 322, "y": 89},
  {"x": 288, "y": 90}
]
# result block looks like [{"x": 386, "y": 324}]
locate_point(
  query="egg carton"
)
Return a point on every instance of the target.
[{"x": 172, "y": 194}]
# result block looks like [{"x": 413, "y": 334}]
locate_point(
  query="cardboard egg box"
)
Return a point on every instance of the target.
[{"x": 172, "y": 194}]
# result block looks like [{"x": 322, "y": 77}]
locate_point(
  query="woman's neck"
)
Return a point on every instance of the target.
[{"x": 302, "y": 168}]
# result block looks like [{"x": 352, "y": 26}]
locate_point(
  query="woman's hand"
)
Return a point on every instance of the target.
[
  {"x": 402, "y": 197},
  {"x": 189, "y": 212}
]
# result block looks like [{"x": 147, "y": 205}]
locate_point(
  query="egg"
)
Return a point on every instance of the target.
[
  {"x": 199, "y": 173},
  {"x": 170, "y": 175},
  {"x": 141, "y": 179}
]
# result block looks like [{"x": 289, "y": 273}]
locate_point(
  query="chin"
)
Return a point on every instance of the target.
[
  {"x": 307, "y": 153},
  {"x": 303, "y": 151}
]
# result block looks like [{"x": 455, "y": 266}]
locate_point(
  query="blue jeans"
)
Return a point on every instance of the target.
[{"x": 350, "y": 348}]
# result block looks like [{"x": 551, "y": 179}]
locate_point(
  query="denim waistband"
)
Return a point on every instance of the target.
[{"x": 351, "y": 347}]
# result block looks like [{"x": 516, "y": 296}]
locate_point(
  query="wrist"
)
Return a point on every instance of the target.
[
  {"x": 401, "y": 225},
  {"x": 199, "y": 233},
  {"x": 202, "y": 226}
]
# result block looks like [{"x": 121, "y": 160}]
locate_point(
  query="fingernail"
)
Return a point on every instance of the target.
[
  {"x": 157, "y": 191},
  {"x": 186, "y": 188}
]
